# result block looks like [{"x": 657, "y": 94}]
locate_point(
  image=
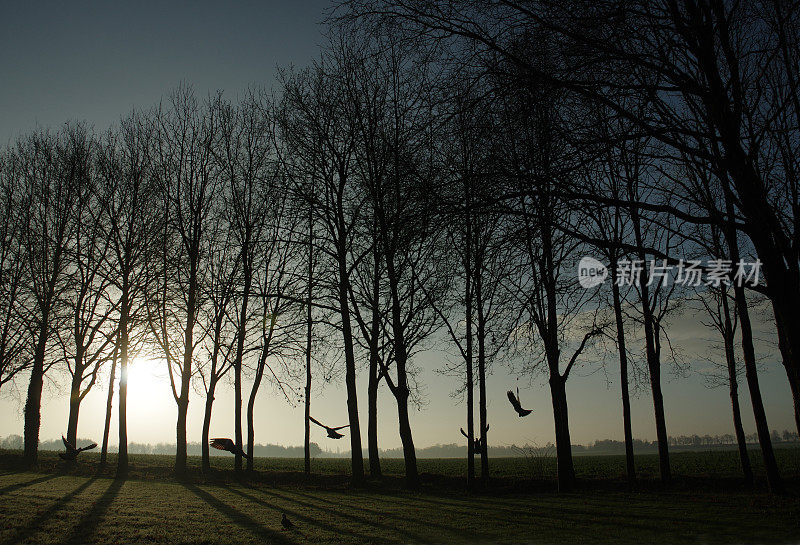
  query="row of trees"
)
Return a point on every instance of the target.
[{"x": 442, "y": 168}]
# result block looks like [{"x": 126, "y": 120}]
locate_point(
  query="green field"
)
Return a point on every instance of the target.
[{"x": 707, "y": 504}]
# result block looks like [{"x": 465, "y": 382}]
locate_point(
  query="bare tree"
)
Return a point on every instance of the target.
[
  {"x": 279, "y": 280},
  {"x": 86, "y": 339},
  {"x": 129, "y": 200},
  {"x": 187, "y": 179},
  {"x": 52, "y": 169},
  {"x": 220, "y": 331},
  {"x": 316, "y": 129}
]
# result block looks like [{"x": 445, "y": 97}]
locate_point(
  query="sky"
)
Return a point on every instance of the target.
[{"x": 95, "y": 61}]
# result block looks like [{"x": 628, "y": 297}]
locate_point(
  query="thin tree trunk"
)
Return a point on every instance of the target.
[
  {"x": 122, "y": 457},
  {"x": 186, "y": 370},
  {"x": 75, "y": 401},
  {"x": 749, "y": 356},
  {"x": 401, "y": 390},
  {"x": 251, "y": 405},
  {"x": 237, "y": 365},
  {"x": 109, "y": 401},
  {"x": 212, "y": 388},
  {"x": 733, "y": 382},
  {"x": 623, "y": 374},
  {"x": 468, "y": 339},
  {"x": 307, "y": 421},
  {"x": 481, "y": 335},
  {"x": 372, "y": 386},
  {"x": 653, "y": 357},
  {"x": 356, "y": 455}
]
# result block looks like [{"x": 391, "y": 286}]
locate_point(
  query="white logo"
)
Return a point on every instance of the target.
[{"x": 591, "y": 272}]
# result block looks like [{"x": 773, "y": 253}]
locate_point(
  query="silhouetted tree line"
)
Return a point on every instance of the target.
[{"x": 438, "y": 173}]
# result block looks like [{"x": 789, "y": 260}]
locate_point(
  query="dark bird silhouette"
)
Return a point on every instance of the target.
[
  {"x": 73, "y": 452},
  {"x": 332, "y": 433},
  {"x": 223, "y": 443},
  {"x": 514, "y": 399},
  {"x": 286, "y": 523}
]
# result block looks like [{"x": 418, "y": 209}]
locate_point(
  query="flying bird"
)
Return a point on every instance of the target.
[
  {"x": 223, "y": 443},
  {"x": 332, "y": 433},
  {"x": 286, "y": 523},
  {"x": 514, "y": 399},
  {"x": 73, "y": 452}
]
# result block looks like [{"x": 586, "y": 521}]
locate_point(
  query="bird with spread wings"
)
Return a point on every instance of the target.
[
  {"x": 73, "y": 452},
  {"x": 332, "y": 432},
  {"x": 514, "y": 399},
  {"x": 223, "y": 443}
]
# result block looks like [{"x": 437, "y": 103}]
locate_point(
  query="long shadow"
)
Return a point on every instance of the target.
[
  {"x": 336, "y": 530},
  {"x": 34, "y": 526},
  {"x": 355, "y": 518},
  {"x": 87, "y": 526},
  {"x": 239, "y": 518},
  {"x": 352, "y": 503},
  {"x": 17, "y": 486},
  {"x": 556, "y": 514}
]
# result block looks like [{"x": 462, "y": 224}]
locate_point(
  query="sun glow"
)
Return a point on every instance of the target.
[{"x": 149, "y": 393}]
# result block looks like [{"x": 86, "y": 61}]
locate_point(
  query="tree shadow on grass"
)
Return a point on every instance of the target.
[
  {"x": 352, "y": 503},
  {"x": 335, "y": 530},
  {"x": 239, "y": 518},
  {"x": 402, "y": 529},
  {"x": 85, "y": 529},
  {"x": 34, "y": 526},
  {"x": 26, "y": 484}
]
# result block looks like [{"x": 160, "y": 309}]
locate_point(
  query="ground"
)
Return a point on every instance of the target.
[{"x": 80, "y": 505}]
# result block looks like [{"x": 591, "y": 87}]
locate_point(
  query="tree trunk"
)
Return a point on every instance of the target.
[
  {"x": 409, "y": 453},
  {"x": 468, "y": 339},
  {"x": 251, "y": 405},
  {"x": 309, "y": 325},
  {"x": 401, "y": 390},
  {"x": 74, "y": 403},
  {"x": 181, "y": 454},
  {"x": 356, "y": 455},
  {"x": 481, "y": 335},
  {"x": 791, "y": 371},
  {"x": 34, "y": 400},
  {"x": 237, "y": 364},
  {"x": 122, "y": 457},
  {"x": 653, "y": 357},
  {"x": 566, "y": 471},
  {"x": 751, "y": 374},
  {"x": 109, "y": 401},
  {"x": 212, "y": 388},
  {"x": 623, "y": 375},
  {"x": 733, "y": 382},
  {"x": 372, "y": 423},
  {"x": 749, "y": 356},
  {"x": 372, "y": 386}
]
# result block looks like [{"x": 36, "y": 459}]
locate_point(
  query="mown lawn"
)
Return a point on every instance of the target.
[{"x": 51, "y": 506}]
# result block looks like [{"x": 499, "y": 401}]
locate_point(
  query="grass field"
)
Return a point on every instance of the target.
[{"x": 707, "y": 504}]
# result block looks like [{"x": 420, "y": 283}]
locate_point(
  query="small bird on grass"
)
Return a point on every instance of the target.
[
  {"x": 73, "y": 452},
  {"x": 332, "y": 432},
  {"x": 223, "y": 443},
  {"x": 286, "y": 523}
]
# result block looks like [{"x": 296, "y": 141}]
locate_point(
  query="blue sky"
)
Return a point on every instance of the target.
[{"x": 95, "y": 61}]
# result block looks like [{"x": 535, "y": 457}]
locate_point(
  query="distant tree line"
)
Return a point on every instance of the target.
[{"x": 451, "y": 450}]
